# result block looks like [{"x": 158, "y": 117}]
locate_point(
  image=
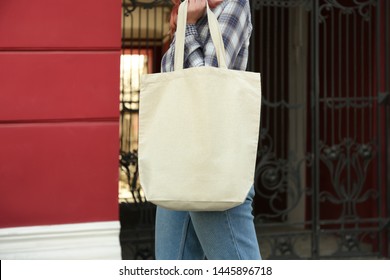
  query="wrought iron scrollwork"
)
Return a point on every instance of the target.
[
  {"x": 131, "y": 5},
  {"x": 348, "y": 161},
  {"x": 277, "y": 178},
  {"x": 361, "y": 8},
  {"x": 281, "y": 104},
  {"x": 128, "y": 160},
  {"x": 257, "y": 4},
  {"x": 340, "y": 103}
]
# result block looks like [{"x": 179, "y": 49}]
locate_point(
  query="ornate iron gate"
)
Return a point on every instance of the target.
[
  {"x": 144, "y": 35},
  {"x": 322, "y": 183}
]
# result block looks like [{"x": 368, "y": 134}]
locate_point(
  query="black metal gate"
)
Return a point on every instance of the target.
[{"x": 322, "y": 183}]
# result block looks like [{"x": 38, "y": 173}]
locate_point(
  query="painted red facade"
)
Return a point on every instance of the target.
[{"x": 59, "y": 90}]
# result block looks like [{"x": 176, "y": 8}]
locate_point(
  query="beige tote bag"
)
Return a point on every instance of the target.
[{"x": 198, "y": 131}]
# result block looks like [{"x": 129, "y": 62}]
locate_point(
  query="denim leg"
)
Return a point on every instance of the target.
[
  {"x": 228, "y": 235},
  {"x": 218, "y": 235},
  {"x": 175, "y": 236}
]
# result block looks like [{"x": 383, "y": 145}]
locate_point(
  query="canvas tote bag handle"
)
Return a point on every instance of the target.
[{"x": 215, "y": 33}]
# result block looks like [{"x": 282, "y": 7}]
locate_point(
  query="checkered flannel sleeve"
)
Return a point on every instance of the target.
[{"x": 236, "y": 28}]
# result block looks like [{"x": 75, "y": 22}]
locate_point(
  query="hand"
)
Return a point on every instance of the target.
[{"x": 195, "y": 10}]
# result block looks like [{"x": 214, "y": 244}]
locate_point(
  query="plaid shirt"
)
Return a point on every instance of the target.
[{"x": 234, "y": 19}]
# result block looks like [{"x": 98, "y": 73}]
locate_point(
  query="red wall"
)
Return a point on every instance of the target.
[{"x": 59, "y": 89}]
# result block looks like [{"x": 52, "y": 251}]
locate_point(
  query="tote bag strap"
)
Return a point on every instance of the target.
[{"x": 215, "y": 33}]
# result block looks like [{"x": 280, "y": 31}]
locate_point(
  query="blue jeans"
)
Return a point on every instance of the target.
[{"x": 224, "y": 235}]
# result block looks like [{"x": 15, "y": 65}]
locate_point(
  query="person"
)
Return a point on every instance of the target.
[{"x": 213, "y": 235}]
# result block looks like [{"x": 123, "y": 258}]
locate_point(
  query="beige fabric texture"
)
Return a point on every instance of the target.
[{"x": 198, "y": 131}]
